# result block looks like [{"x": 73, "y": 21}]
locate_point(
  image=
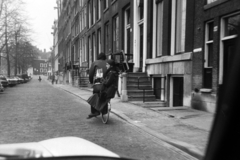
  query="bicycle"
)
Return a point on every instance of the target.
[{"x": 105, "y": 117}]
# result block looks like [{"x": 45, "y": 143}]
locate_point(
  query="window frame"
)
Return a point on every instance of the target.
[
  {"x": 175, "y": 28},
  {"x": 115, "y": 33},
  {"x": 156, "y": 29},
  {"x": 127, "y": 26},
  {"x": 207, "y": 43},
  {"x": 99, "y": 40},
  {"x": 107, "y": 36}
]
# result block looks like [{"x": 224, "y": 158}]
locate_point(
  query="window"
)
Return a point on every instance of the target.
[
  {"x": 89, "y": 15},
  {"x": 106, "y": 38},
  {"x": 127, "y": 30},
  {"x": 99, "y": 9},
  {"x": 94, "y": 47},
  {"x": 80, "y": 52},
  {"x": 99, "y": 41},
  {"x": 115, "y": 34},
  {"x": 83, "y": 21},
  {"x": 94, "y": 11},
  {"x": 230, "y": 26},
  {"x": 76, "y": 27},
  {"x": 210, "y": 1},
  {"x": 105, "y": 4},
  {"x": 76, "y": 57},
  {"x": 159, "y": 27},
  {"x": 85, "y": 17},
  {"x": 208, "y": 56},
  {"x": 90, "y": 60},
  {"x": 140, "y": 9},
  {"x": 209, "y": 45},
  {"x": 178, "y": 26},
  {"x": 80, "y": 20}
]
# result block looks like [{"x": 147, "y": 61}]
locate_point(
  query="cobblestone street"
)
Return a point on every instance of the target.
[{"x": 36, "y": 111}]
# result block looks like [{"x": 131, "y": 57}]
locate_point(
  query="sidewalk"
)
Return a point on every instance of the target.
[{"x": 184, "y": 128}]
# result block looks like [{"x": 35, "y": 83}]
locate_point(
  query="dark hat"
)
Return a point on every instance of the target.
[
  {"x": 101, "y": 56},
  {"x": 111, "y": 62}
]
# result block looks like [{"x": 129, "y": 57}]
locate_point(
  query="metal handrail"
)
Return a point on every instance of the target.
[{"x": 151, "y": 88}]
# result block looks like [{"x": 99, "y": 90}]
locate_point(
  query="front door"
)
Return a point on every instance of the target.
[
  {"x": 177, "y": 91},
  {"x": 157, "y": 85},
  {"x": 229, "y": 48}
]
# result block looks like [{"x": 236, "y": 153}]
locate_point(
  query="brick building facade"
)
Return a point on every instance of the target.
[
  {"x": 214, "y": 35},
  {"x": 181, "y": 44}
]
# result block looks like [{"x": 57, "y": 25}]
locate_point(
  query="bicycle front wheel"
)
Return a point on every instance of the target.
[{"x": 105, "y": 116}]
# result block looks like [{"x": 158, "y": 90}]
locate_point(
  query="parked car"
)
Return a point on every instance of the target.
[
  {"x": 12, "y": 81},
  {"x": 1, "y": 88},
  {"x": 25, "y": 77},
  {"x": 3, "y": 81},
  {"x": 20, "y": 80}
]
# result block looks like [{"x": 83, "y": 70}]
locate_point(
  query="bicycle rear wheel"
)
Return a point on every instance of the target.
[{"x": 105, "y": 117}]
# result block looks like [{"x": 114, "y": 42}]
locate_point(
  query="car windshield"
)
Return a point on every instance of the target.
[{"x": 135, "y": 78}]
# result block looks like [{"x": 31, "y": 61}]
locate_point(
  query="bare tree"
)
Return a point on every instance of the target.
[{"x": 13, "y": 33}]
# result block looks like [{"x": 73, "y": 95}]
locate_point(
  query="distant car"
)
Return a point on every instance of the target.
[
  {"x": 3, "y": 81},
  {"x": 12, "y": 81},
  {"x": 1, "y": 88}
]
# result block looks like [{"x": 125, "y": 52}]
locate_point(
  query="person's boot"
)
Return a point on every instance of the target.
[{"x": 92, "y": 115}]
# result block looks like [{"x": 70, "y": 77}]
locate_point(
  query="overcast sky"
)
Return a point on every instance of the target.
[{"x": 41, "y": 15}]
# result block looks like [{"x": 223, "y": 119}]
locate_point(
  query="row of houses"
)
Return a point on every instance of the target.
[{"x": 185, "y": 46}]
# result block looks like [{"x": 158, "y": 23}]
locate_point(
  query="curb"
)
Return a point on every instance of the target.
[{"x": 188, "y": 148}]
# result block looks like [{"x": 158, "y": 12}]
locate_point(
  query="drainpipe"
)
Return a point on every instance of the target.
[{"x": 124, "y": 96}]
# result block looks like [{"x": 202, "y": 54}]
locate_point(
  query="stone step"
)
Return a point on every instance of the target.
[
  {"x": 140, "y": 98},
  {"x": 152, "y": 104},
  {"x": 83, "y": 85},
  {"x": 137, "y": 74},
  {"x": 139, "y": 92},
  {"x": 140, "y": 83},
  {"x": 84, "y": 78},
  {"x": 140, "y": 87},
  {"x": 139, "y": 77}
]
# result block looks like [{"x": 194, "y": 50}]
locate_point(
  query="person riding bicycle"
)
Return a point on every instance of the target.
[
  {"x": 96, "y": 72},
  {"x": 110, "y": 84},
  {"x": 39, "y": 78}
]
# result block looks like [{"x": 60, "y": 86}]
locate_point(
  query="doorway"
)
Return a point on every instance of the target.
[
  {"x": 229, "y": 48},
  {"x": 159, "y": 88},
  {"x": 177, "y": 91}
]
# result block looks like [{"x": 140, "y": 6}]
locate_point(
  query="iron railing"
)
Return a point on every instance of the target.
[{"x": 162, "y": 89}]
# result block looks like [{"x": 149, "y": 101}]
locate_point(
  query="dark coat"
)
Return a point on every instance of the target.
[
  {"x": 98, "y": 64},
  {"x": 111, "y": 82}
]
